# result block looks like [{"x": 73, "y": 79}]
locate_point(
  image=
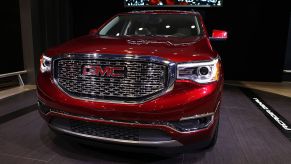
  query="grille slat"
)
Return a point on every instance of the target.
[
  {"x": 111, "y": 131},
  {"x": 142, "y": 80},
  {"x": 106, "y": 131}
]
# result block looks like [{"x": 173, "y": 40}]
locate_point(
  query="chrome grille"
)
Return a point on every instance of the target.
[{"x": 143, "y": 78}]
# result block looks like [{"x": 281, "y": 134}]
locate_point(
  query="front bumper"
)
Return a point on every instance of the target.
[
  {"x": 165, "y": 135},
  {"x": 187, "y": 100}
]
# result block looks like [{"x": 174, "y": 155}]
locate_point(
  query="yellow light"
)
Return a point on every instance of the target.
[{"x": 217, "y": 72}]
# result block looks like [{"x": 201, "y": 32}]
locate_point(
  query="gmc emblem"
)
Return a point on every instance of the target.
[{"x": 103, "y": 71}]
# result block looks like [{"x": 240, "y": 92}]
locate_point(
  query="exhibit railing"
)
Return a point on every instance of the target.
[{"x": 18, "y": 74}]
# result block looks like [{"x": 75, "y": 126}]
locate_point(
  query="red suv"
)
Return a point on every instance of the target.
[{"x": 146, "y": 78}]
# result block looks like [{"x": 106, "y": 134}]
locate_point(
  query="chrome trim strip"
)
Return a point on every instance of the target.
[
  {"x": 197, "y": 116},
  {"x": 287, "y": 71},
  {"x": 172, "y": 67},
  {"x": 202, "y": 115},
  {"x": 172, "y": 143}
]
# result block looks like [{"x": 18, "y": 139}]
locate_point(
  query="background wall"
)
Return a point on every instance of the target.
[
  {"x": 258, "y": 34},
  {"x": 11, "y": 43},
  {"x": 51, "y": 25},
  {"x": 287, "y": 68},
  {"x": 255, "y": 49}
]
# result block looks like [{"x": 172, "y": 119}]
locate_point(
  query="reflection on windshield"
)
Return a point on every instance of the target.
[{"x": 158, "y": 25}]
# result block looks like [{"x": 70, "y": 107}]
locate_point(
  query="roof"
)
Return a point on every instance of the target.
[{"x": 163, "y": 12}]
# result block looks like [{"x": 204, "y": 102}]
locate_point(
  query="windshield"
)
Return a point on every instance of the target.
[{"x": 164, "y": 25}]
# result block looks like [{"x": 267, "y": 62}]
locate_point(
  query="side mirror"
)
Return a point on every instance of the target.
[
  {"x": 219, "y": 35},
  {"x": 93, "y": 31}
]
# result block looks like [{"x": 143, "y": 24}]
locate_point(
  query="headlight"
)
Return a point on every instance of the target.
[
  {"x": 200, "y": 72},
  {"x": 45, "y": 64}
]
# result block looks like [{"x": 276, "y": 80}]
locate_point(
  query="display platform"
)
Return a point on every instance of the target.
[{"x": 246, "y": 135}]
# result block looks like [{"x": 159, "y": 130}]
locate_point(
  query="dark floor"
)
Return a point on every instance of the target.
[{"x": 245, "y": 136}]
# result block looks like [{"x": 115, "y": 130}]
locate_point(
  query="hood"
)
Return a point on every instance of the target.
[{"x": 170, "y": 48}]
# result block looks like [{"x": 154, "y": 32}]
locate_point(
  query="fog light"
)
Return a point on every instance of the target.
[{"x": 193, "y": 124}]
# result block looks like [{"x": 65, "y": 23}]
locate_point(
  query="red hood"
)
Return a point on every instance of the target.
[{"x": 174, "y": 49}]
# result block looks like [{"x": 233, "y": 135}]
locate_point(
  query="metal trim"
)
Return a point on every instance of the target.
[
  {"x": 202, "y": 115},
  {"x": 13, "y": 74},
  {"x": 197, "y": 116},
  {"x": 18, "y": 74},
  {"x": 172, "y": 67},
  {"x": 172, "y": 143}
]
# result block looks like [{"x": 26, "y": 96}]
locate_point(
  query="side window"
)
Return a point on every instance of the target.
[
  {"x": 114, "y": 28},
  {"x": 133, "y": 27}
]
